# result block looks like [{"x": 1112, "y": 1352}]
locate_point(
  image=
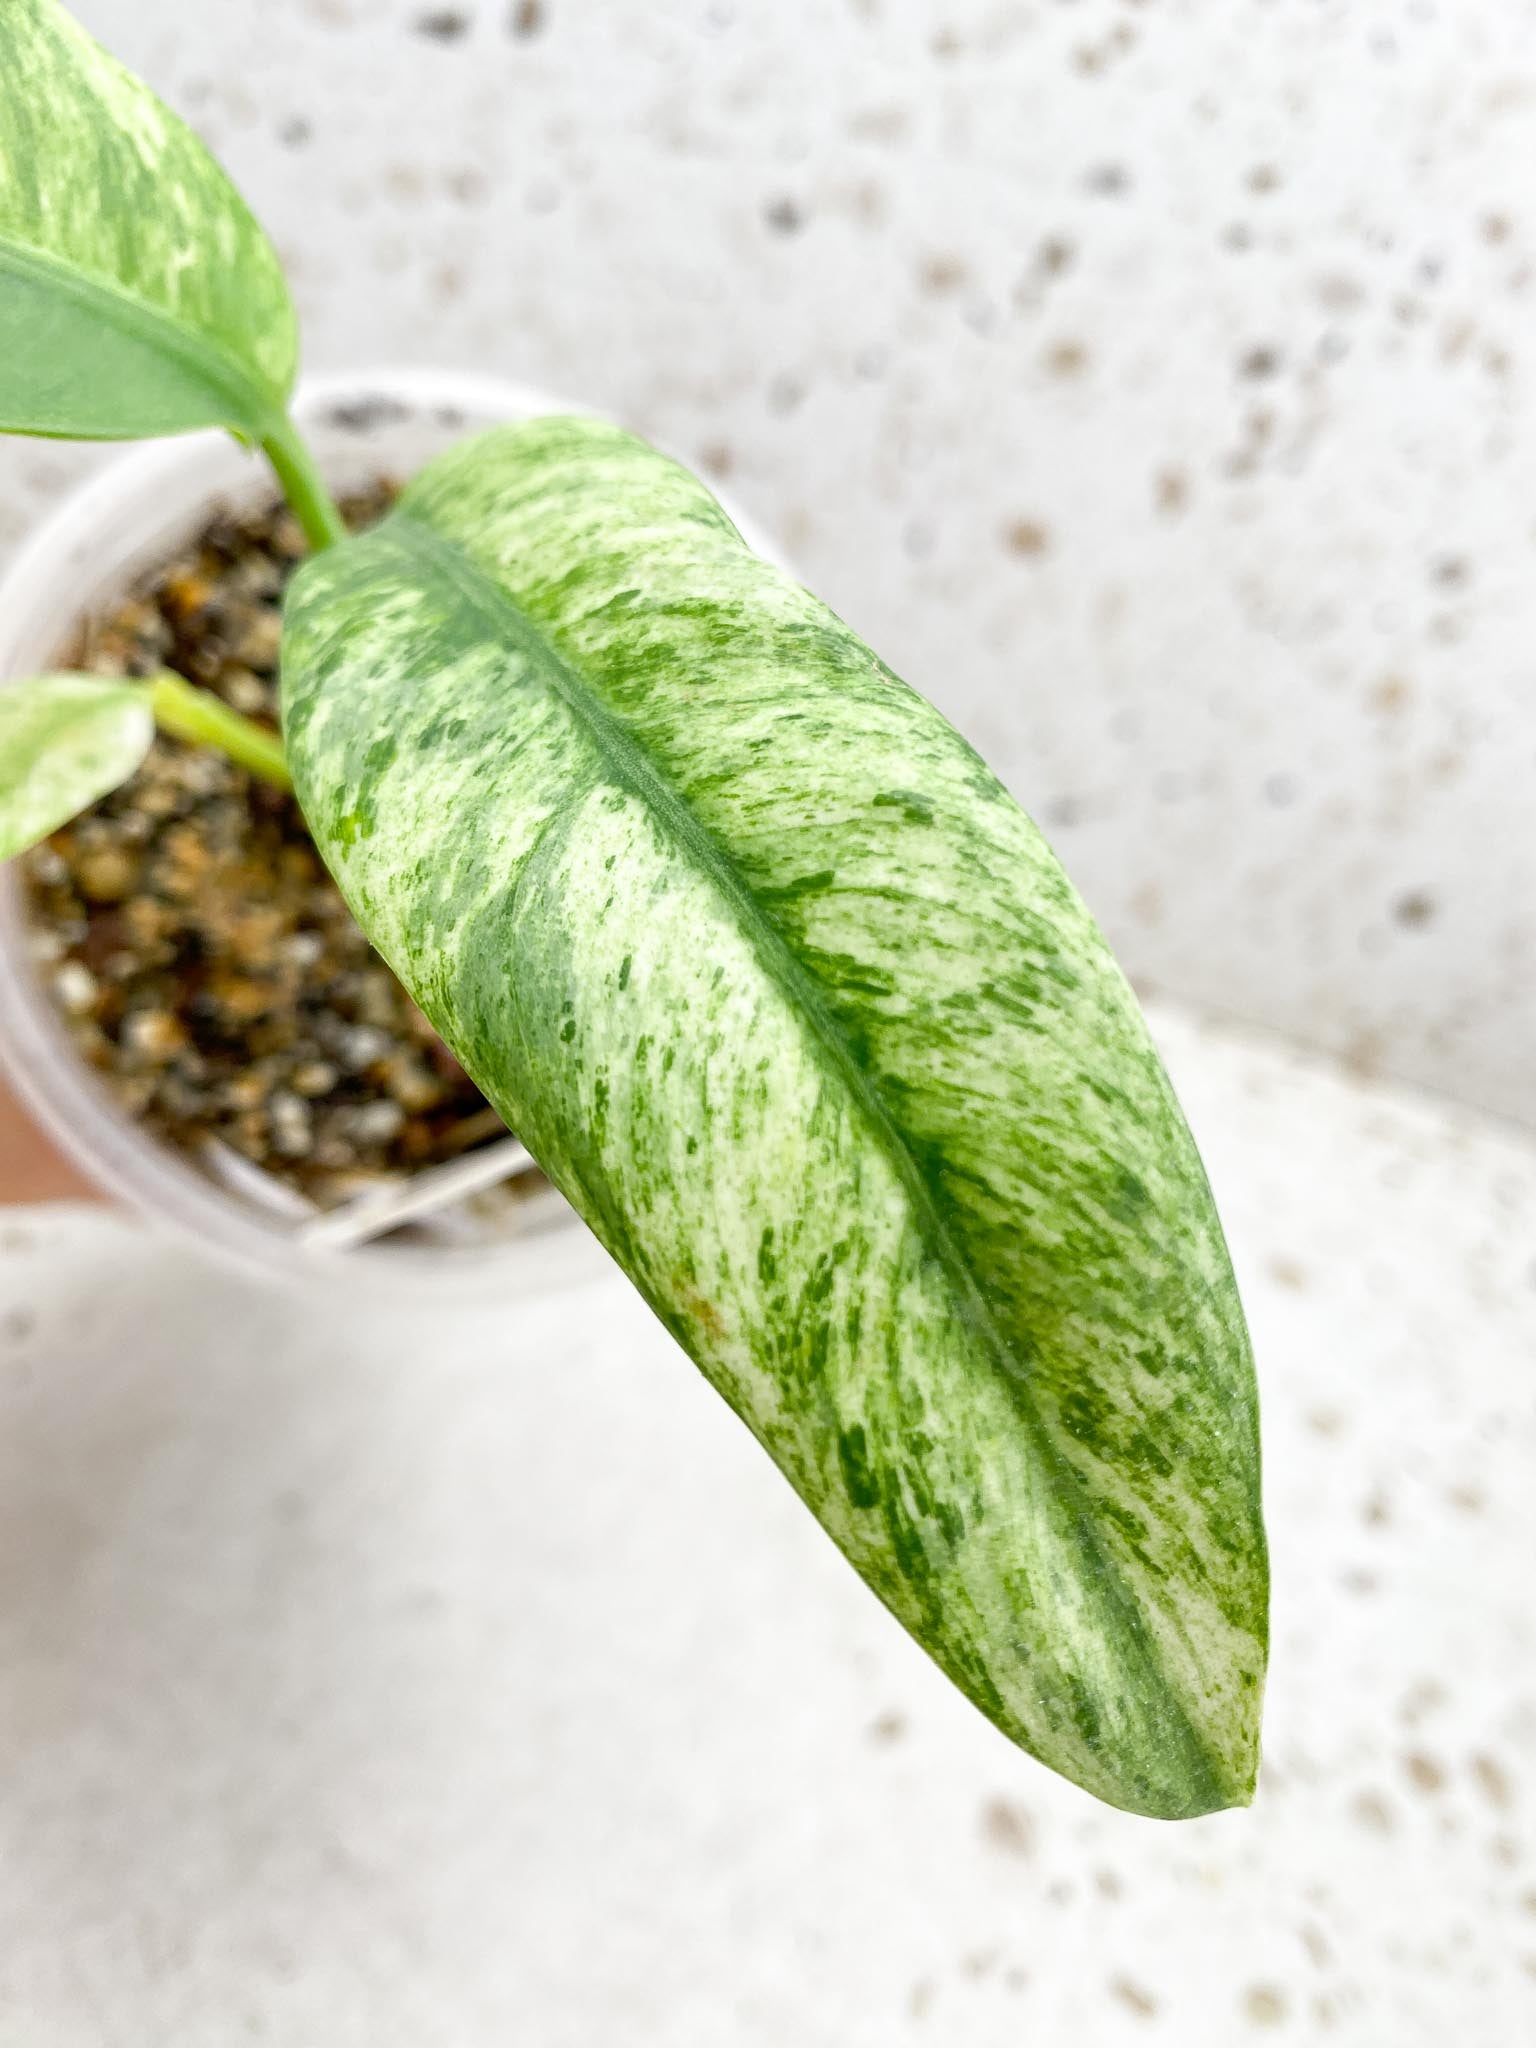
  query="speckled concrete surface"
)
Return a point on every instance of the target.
[
  {"x": 367, "y": 1683},
  {"x": 1150, "y": 383}
]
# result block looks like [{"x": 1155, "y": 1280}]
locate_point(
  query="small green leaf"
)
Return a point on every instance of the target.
[
  {"x": 65, "y": 740},
  {"x": 794, "y": 1004},
  {"x": 137, "y": 294}
]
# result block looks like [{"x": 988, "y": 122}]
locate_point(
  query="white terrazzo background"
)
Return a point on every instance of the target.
[
  {"x": 369, "y": 1682},
  {"x": 1152, "y": 384}
]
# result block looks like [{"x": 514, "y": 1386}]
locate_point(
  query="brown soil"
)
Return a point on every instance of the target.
[{"x": 202, "y": 957}]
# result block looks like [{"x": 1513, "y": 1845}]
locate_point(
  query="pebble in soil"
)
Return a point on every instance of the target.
[{"x": 201, "y": 956}]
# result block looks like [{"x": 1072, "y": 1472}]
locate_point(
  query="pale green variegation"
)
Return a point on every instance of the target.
[
  {"x": 770, "y": 973},
  {"x": 65, "y": 740},
  {"x": 794, "y": 1004},
  {"x": 137, "y": 294}
]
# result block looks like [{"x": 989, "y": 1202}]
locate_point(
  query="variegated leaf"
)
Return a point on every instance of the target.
[
  {"x": 65, "y": 740},
  {"x": 794, "y": 1004},
  {"x": 137, "y": 294}
]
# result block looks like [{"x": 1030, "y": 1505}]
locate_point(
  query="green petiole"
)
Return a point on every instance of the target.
[
  {"x": 303, "y": 487},
  {"x": 192, "y": 714},
  {"x": 197, "y": 715}
]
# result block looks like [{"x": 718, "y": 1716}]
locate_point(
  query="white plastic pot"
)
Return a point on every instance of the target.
[{"x": 135, "y": 513}]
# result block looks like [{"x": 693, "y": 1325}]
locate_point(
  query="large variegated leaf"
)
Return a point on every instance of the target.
[
  {"x": 65, "y": 740},
  {"x": 137, "y": 294},
  {"x": 794, "y": 1004}
]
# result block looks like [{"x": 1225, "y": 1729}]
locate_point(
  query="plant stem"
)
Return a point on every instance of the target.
[
  {"x": 303, "y": 486},
  {"x": 197, "y": 715}
]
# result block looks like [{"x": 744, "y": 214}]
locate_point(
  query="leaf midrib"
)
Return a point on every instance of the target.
[
  {"x": 632, "y": 767},
  {"x": 253, "y": 406}
]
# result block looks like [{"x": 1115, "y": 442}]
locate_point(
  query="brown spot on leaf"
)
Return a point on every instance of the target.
[{"x": 703, "y": 1312}]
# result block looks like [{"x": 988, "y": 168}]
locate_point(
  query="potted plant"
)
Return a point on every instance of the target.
[
  {"x": 125, "y": 548},
  {"x": 782, "y": 990}
]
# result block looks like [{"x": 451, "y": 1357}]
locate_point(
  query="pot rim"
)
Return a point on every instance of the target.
[{"x": 82, "y": 539}]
